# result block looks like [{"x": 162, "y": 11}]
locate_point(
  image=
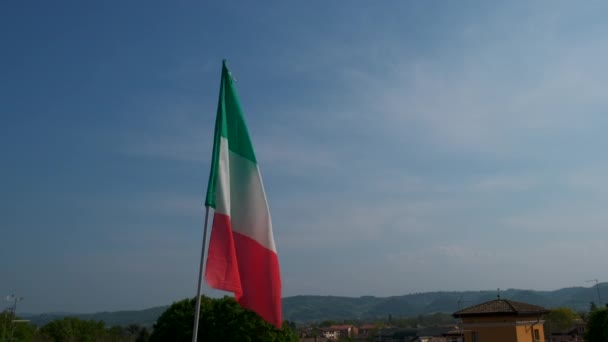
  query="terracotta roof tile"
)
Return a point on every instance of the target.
[{"x": 501, "y": 307}]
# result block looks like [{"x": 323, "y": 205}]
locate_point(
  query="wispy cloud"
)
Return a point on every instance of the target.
[{"x": 455, "y": 155}]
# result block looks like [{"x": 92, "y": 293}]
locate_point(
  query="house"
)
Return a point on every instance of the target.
[
  {"x": 345, "y": 330},
  {"x": 502, "y": 320},
  {"x": 330, "y": 334},
  {"x": 334, "y": 332},
  {"x": 311, "y": 334}
]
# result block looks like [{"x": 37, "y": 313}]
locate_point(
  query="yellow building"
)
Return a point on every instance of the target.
[{"x": 502, "y": 321}]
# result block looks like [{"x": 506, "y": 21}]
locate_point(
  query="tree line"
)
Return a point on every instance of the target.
[
  {"x": 220, "y": 320},
  {"x": 225, "y": 320},
  {"x": 68, "y": 329}
]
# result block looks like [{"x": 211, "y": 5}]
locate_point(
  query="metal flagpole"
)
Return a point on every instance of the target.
[{"x": 200, "y": 280}]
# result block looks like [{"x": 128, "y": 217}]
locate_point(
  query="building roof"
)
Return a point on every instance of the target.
[
  {"x": 501, "y": 307},
  {"x": 341, "y": 327}
]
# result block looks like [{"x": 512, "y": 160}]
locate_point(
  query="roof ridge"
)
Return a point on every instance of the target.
[{"x": 501, "y": 306}]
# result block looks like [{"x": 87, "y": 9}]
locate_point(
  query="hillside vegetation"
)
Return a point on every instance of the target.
[{"x": 318, "y": 308}]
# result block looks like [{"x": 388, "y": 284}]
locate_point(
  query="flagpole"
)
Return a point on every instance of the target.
[{"x": 200, "y": 280}]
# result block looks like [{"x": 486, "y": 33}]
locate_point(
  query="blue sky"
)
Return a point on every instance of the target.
[{"x": 405, "y": 146}]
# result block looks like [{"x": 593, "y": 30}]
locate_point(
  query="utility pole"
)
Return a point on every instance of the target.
[
  {"x": 597, "y": 287},
  {"x": 15, "y": 300},
  {"x": 5, "y": 326}
]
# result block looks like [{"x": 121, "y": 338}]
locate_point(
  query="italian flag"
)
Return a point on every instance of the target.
[{"x": 242, "y": 255}]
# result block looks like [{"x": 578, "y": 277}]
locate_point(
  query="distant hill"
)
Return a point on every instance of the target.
[
  {"x": 311, "y": 308},
  {"x": 318, "y": 308}
]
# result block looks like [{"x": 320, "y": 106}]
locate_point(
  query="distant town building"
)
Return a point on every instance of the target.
[
  {"x": 330, "y": 334},
  {"x": 336, "y": 331},
  {"x": 502, "y": 320}
]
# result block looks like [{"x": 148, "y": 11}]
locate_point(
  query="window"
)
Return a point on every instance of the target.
[{"x": 536, "y": 335}]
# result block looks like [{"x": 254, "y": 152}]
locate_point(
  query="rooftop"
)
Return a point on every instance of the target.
[
  {"x": 340, "y": 327},
  {"x": 501, "y": 307}
]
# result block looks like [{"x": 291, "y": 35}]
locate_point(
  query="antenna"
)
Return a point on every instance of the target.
[{"x": 15, "y": 300}]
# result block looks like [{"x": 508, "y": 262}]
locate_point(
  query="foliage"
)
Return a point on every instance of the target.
[
  {"x": 131, "y": 333},
  {"x": 327, "y": 323},
  {"x": 72, "y": 329},
  {"x": 220, "y": 320},
  {"x": 290, "y": 324},
  {"x": 424, "y": 320},
  {"x": 559, "y": 319},
  {"x": 143, "y": 335},
  {"x": 597, "y": 327},
  {"x": 592, "y": 306},
  {"x": 18, "y": 331}
]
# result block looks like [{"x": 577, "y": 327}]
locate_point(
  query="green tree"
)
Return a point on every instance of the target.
[
  {"x": 11, "y": 327},
  {"x": 130, "y": 333},
  {"x": 597, "y": 327},
  {"x": 289, "y": 324},
  {"x": 71, "y": 329},
  {"x": 118, "y": 332},
  {"x": 559, "y": 319},
  {"x": 220, "y": 320},
  {"x": 143, "y": 335},
  {"x": 327, "y": 323},
  {"x": 592, "y": 306}
]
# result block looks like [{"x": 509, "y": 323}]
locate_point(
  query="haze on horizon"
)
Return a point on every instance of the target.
[{"x": 405, "y": 146}]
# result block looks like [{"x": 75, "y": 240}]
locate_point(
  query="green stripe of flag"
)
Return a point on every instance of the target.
[{"x": 229, "y": 124}]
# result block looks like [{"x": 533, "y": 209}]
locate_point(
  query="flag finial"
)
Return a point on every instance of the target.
[{"x": 228, "y": 72}]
